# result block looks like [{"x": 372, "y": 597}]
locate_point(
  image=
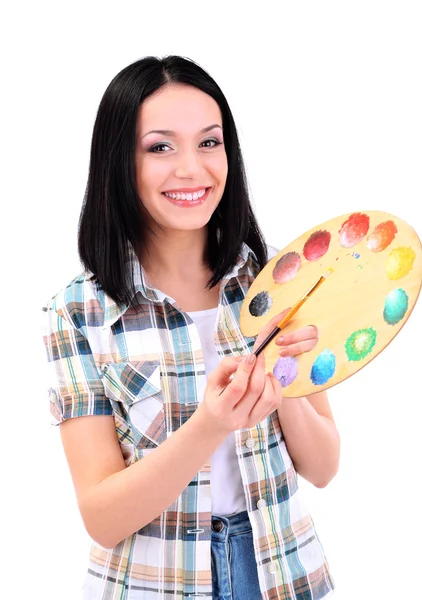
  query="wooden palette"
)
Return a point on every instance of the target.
[{"x": 359, "y": 309}]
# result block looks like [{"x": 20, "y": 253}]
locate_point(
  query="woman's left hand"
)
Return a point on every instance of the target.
[{"x": 293, "y": 343}]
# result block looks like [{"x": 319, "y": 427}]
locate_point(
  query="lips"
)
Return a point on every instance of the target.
[
  {"x": 182, "y": 195},
  {"x": 188, "y": 199}
]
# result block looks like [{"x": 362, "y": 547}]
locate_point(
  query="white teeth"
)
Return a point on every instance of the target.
[{"x": 187, "y": 196}]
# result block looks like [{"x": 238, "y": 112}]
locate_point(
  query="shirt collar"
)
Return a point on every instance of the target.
[
  {"x": 113, "y": 311},
  {"x": 243, "y": 257}
]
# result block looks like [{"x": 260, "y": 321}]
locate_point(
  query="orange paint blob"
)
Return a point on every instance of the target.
[
  {"x": 400, "y": 262},
  {"x": 382, "y": 236}
]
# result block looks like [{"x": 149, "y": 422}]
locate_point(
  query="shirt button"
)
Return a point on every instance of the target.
[
  {"x": 250, "y": 442},
  {"x": 272, "y": 567},
  {"x": 217, "y": 525},
  {"x": 261, "y": 503}
]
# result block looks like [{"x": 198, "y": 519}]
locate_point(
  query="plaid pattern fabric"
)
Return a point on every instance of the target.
[{"x": 144, "y": 365}]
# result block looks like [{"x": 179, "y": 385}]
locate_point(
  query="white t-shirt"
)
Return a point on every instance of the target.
[{"x": 227, "y": 496}]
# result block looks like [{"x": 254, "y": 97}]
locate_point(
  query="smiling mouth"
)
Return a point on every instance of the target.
[
  {"x": 187, "y": 196},
  {"x": 187, "y": 199}
]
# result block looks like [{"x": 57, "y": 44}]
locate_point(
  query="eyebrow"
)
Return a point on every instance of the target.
[{"x": 169, "y": 133}]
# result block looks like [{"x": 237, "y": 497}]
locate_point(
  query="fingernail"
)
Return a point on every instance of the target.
[
  {"x": 283, "y": 351},
  {"x": 250, "y": 359},
  {"x": 280, "y": 340}
]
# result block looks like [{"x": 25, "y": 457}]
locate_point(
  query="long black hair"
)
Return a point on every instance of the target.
[{"x": 112, "y": 213}]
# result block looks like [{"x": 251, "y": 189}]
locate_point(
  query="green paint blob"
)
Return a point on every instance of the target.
[
  {"x": 360, "y": 343},
  {"x": 395, "y": 306}
]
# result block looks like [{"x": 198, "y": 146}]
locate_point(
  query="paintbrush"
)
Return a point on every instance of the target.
[{"x": 289, "y": 315}]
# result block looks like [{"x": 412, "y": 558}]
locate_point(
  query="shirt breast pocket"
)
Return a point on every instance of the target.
[{"x": 134, "y": 391}]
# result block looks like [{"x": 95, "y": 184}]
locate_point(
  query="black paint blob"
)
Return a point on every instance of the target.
[{"x": 260, "y": 305}]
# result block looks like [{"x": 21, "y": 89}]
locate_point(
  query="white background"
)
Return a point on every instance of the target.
[{"x": 327, "y": 97}]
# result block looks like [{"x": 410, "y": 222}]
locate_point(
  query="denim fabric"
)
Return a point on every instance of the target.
[{"x": 233, "y": 564}]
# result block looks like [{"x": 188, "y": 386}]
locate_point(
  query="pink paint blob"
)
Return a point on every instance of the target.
[
  {"x": 316, "y": 245},
  {"x": 286, "y": 267},
  {"x": 354, "y": 230},
  {"x": 382, "y": 236}
]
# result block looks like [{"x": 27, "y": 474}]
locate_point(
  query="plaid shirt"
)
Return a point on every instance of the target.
[{"x": 143, "y": 364}]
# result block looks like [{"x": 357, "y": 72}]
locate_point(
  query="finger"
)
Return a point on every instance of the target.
[
  {"x": 299, "y": 348},
  {"x": 277, "y": 387},
  {"x": 267, "y": 402},
  {"x": 278, "y": 395},
  {"x": 223, "y": 372},
  {"x": 269, "y": 398},
  {"x": 304, "y": 333},
  {"x": 269, "y": 327},
  {"x": 253, "y": 389},
  {"x": 235, "y": 387},
  {"x": 256, "y": 381}
]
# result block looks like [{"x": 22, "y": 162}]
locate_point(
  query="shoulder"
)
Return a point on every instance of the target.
[{"x": 81, "y": 303}]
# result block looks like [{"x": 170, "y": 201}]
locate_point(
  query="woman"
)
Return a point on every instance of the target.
[{"x": 144, "y": 341}]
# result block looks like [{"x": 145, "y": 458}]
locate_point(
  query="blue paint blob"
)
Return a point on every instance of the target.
[
  {"x": 395, "y": 307},
  {"x": 323, "y": 367},
  {"x": 286, "y": 369}
]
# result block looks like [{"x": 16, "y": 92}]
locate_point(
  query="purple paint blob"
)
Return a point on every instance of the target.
[
  {"x": 316, "y": 245},
  {"x": 286, "y": 369},
  {"x": 286, "y": 267}
]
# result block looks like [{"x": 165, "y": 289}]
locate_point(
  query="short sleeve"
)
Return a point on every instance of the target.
[{"x": 74, "y": 380}]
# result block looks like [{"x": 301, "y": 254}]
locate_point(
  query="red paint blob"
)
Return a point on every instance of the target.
[
  {"x": 316, "y": 245},
  {"x": 382, "y": 236},
  {"x": 287, "y": 267},
  {"x": 353, "y": 230}
]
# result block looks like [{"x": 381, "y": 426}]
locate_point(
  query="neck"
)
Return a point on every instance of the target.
[{"x": 180, "y": 255}]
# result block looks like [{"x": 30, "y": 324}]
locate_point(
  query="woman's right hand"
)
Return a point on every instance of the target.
[{"x": 250, "y": 396}]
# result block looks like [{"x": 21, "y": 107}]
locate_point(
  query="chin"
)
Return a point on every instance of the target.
[
  {"x": 186, "y": 223},
  {"x": 194, "y": 226}
]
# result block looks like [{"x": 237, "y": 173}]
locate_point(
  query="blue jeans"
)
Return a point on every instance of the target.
[{"x": 233, "y": 564}]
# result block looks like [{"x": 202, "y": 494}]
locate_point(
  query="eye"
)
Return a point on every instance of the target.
[
  {"x": 211, "y": 143},
  {"x": 159, "y": 148}
]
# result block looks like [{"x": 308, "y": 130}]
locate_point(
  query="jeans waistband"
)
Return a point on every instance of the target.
[{"x": 232, "y": 525}]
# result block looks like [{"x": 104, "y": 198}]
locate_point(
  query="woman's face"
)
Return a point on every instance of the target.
[{"x": 181, "y": 162}]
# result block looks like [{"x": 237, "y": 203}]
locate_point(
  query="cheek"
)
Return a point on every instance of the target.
[
  {"x": 219, "y": 167},
  {"x": 150, "y": 174}
]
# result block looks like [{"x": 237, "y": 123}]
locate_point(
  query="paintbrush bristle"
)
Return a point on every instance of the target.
[{"x": 328, "y": 273}]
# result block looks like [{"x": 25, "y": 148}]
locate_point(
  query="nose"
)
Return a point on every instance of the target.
[{"x": 189, "y": 164}]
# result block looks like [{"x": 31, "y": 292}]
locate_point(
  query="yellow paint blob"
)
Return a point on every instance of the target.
[{"x": 400, "y": 262}]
